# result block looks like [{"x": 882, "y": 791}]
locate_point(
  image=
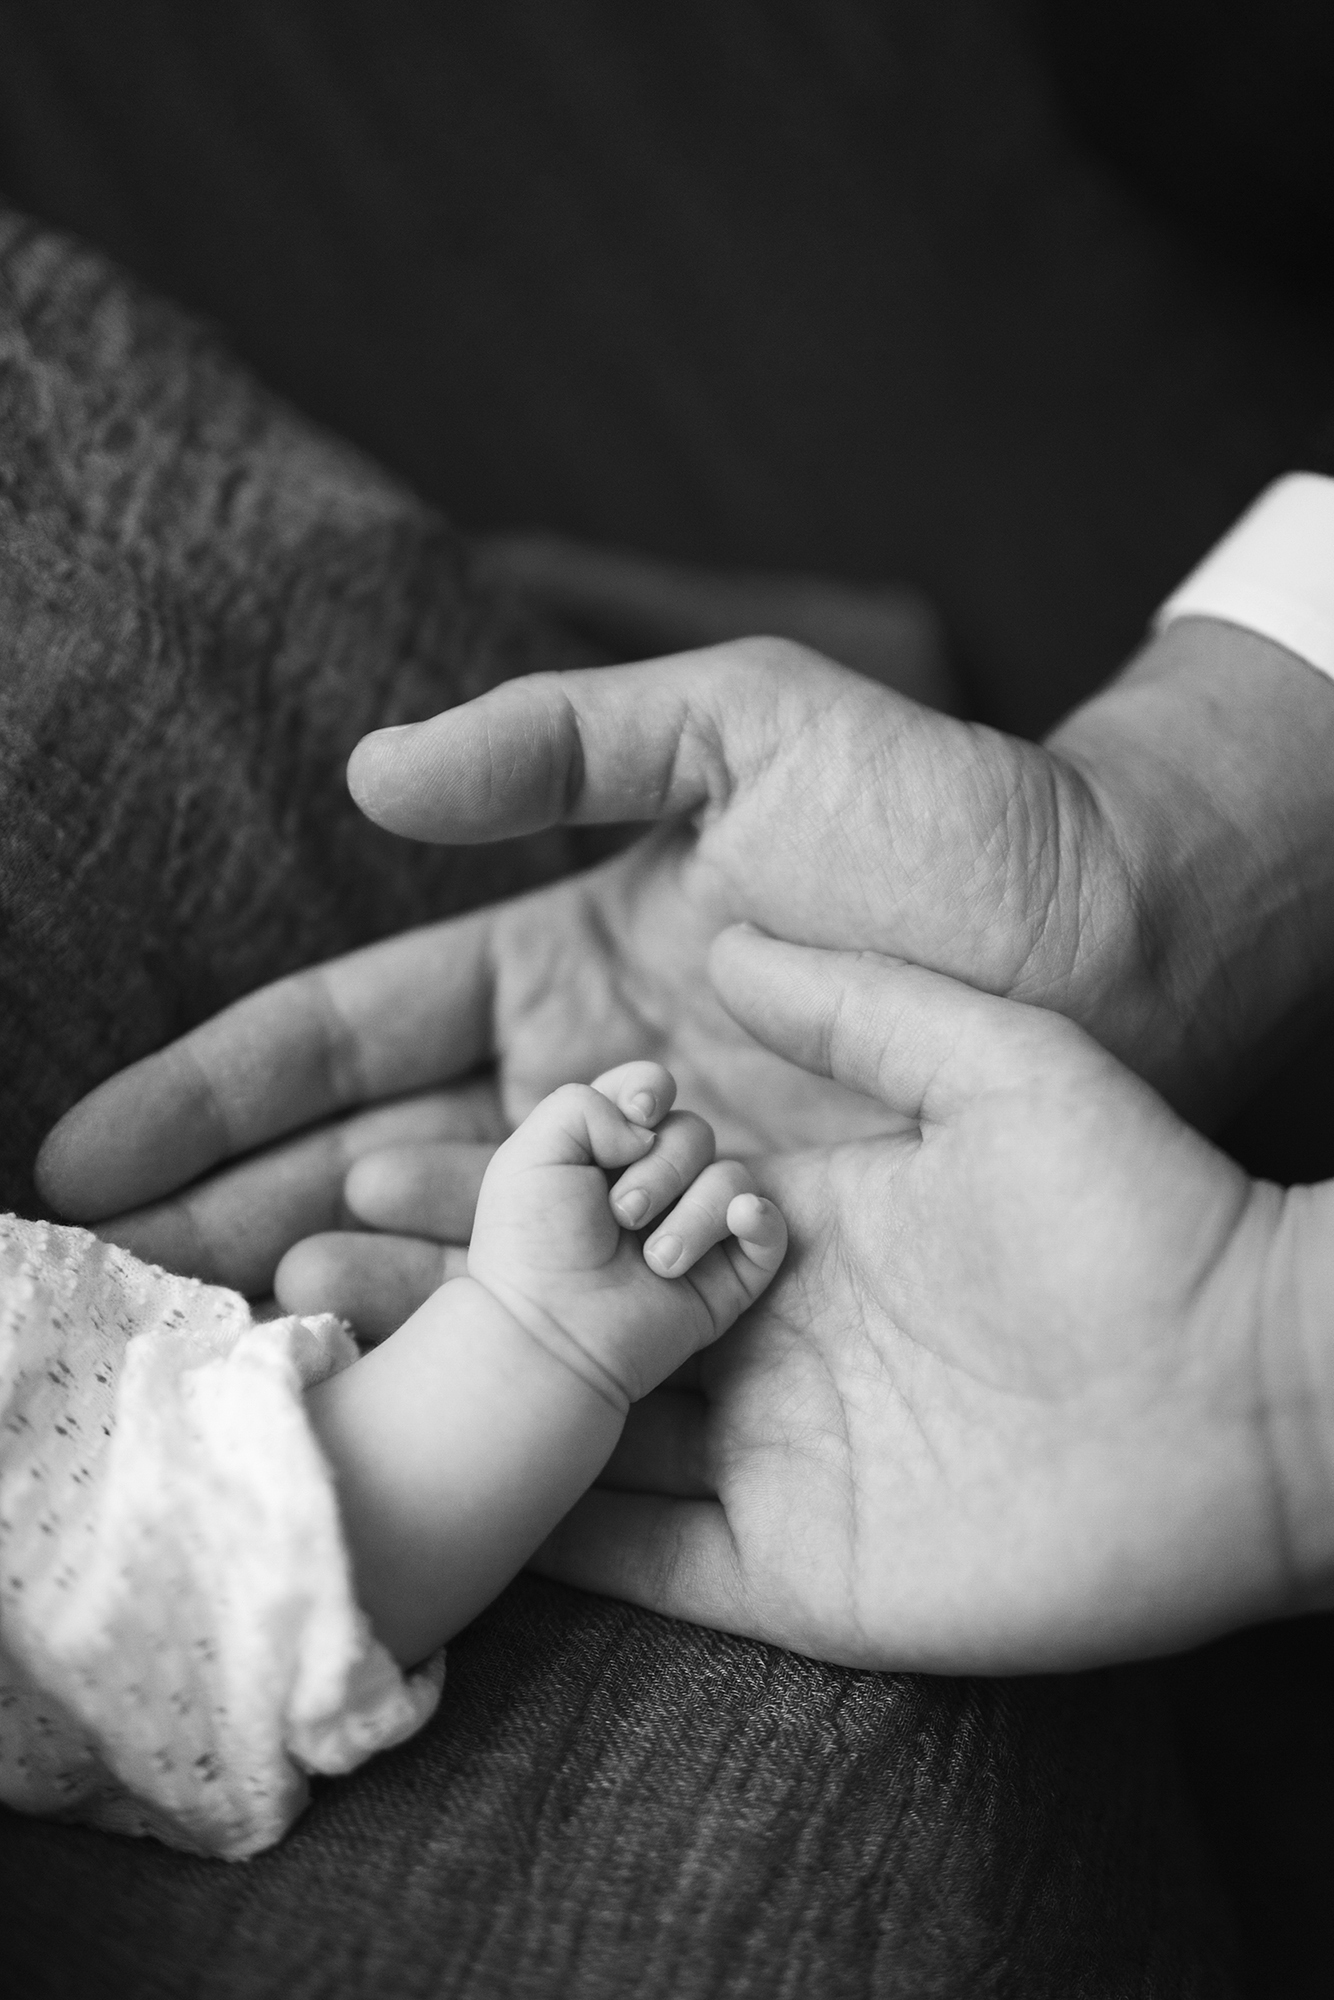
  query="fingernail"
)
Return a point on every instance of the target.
[
  {"x": 665, "y": 1250},
  {"x": 641, "y": 1107},
  {"x": 632, "y": 1206}
]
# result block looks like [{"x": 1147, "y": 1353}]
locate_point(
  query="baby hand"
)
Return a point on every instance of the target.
[{"x": 568, "y": 1257}]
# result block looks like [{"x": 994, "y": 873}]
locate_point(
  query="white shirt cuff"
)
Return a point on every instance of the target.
[{"x": 1273, "y": 572}]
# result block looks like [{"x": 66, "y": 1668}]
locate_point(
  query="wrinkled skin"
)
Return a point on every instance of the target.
[
  {"x": 1013, "y": 1404},
  {"x": 797, "y": 795}
]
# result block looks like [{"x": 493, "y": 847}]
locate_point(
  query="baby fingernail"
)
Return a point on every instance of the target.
[
  {"x": 665, "y": 1250},
  {"x": 641, "y": 1107},
  {"x": 630, "y": 1207}
]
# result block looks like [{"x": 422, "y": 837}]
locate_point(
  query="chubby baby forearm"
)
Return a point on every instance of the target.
[
  {"x": 456, "y": 1446},
  {"x": 460, "y": 1443}
]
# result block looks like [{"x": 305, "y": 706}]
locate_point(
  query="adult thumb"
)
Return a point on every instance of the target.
[{"x": 642, "y": 742}]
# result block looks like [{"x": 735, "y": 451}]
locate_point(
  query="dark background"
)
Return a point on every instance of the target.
[{"x": 956, "y": 290}]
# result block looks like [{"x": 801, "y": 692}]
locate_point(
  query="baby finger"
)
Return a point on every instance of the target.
[
  {"x": 760, "y": 1230},
  {"x": 641, "y": 1091},
  {"x": 698, "y": 1221},
  {"x": 682, "y": 1149}
]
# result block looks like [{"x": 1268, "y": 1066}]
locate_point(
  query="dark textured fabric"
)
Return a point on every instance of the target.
[
  {"x": 611, "y": 1805},
  {"x": 202, "y": 603}
]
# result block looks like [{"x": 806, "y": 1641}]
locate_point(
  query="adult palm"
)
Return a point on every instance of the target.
[
  {"x": 796, "y": 794},
  {"x": 1014, "y": 1403}
]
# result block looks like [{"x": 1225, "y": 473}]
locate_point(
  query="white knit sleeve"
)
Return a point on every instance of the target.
[{"x": 179, "y": 1639}]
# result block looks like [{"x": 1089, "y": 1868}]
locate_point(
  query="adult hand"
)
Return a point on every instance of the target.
[
  {"x": 1046, "y": 1380},
  {"x": 796, "y": 792},
  {"x": 798, "y": 795}
]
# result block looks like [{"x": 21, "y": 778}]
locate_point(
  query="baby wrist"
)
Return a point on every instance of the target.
[{"x": 540, "y": 1329}]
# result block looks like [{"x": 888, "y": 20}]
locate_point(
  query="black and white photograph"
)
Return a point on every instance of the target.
[{"x": 667, "y": 1000}]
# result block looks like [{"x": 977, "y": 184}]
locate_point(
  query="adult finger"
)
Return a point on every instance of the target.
[
  {"x": 613, "y": 743},
  {"x": 394, "y": 1017},
  {"x": 922, "y": 1043},
  {"x": 232, "y": 1228},
  {"x": 419, "y": 1190},
  {"x": 374, "y": 1282},
  {"x": 663, "y": 1448},
  {"x": 678, "y": 1557}
]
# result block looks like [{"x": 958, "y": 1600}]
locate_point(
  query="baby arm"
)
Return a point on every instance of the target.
[{"x": 461, "y": 1441}]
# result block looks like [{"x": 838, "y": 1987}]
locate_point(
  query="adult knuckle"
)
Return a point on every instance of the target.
[
  {"x": 566, "y": 762},
  {"x": 768, "y": 654}
]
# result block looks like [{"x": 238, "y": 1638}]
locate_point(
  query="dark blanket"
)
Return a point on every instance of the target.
[{"x": 204, "y": 602}]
